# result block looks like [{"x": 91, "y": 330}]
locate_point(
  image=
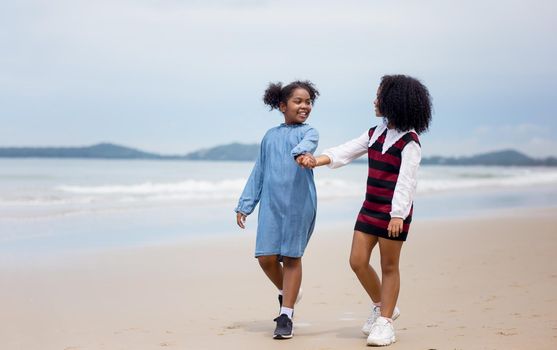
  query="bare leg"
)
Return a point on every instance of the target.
[
  {"x": 390, "y": 256},
  {"x": 272, "y": 268},
  {"x": 362, "y": 245},
  {"x": 292, "y": 280}
]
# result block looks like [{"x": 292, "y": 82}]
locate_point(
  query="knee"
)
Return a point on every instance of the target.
[
  {"x": 267, "y": 262},
  {"x": 291, "y": 262},
  {"x": 358, "y": 264},
  {"x": 389, "y": 266}
]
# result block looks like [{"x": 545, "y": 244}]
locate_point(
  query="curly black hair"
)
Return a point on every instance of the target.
[
  {"x": 405, "y": 102},
  {"x": 276, "y": 93}
]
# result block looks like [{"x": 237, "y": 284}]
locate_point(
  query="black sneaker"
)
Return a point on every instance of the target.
[{"x": 284, "y": 327}]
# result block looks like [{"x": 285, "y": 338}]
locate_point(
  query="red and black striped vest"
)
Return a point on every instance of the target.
[{"x": 382, "y": 177}]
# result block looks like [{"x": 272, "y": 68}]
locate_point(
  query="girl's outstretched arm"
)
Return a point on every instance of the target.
[
  {"x": 322, "y": 160},
  {"x": 308, "y": 143},
  {"x": 338, "y": 156},
  {"x": 309, "y": 161},
  {"x": 343, "y": 154}
]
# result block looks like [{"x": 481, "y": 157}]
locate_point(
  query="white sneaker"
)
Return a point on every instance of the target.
[
  {"x": 382, "y": 333},
  {"x": 375, "y": 314}
]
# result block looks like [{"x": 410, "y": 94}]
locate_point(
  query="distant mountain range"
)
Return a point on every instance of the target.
[
  {"x": 505, "y": 157},
  {"x": 230, "y": 152},
  {"x": 247, "y": 152}
]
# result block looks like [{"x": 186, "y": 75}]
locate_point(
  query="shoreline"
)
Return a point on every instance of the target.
[
  {"x": 483, "y": 283},
  {"x": 28, "y": 257}
]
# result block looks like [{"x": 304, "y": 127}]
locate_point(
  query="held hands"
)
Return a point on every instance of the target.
[
  {"x": 306, "y": 160},
  {"x": 241, "y": 219},
  {"x": 395, "y": 227}
]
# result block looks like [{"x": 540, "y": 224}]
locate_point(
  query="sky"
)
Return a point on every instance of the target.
[{"x": 177, "y": 76}]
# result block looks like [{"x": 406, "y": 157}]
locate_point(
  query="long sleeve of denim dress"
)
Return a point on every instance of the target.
[{"x": 285, "y": 192}]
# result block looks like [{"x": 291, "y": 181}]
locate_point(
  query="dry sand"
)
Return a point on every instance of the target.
[{"x": 484, "y": 283}]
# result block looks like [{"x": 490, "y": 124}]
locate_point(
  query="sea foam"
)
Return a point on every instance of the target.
[{"x": 330, "y": 185}]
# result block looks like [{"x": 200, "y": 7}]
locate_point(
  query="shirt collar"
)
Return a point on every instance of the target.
[{"x": 393, "y": 135}]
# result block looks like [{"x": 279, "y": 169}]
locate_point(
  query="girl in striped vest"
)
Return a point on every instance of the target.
[{"x": 394, "y": 155}]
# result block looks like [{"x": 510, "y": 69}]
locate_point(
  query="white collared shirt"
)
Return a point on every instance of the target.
[{"x": 407, "y": 178}]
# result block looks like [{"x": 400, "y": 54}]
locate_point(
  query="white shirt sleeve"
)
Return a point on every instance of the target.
[
  {"x": 347, "y": 152},
  {"x": 407, "y": 181}
]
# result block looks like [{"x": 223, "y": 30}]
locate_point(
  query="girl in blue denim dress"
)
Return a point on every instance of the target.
[{"x": 286, "y": 195}]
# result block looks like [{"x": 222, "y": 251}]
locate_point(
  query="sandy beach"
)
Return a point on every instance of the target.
[{"x": 483, "y": 283}]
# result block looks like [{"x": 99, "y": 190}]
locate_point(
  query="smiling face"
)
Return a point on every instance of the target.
[{"x": 297, "y": 108}]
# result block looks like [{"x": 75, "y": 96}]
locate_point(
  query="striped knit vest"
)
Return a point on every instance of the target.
[{"x": 383, "y": 173}]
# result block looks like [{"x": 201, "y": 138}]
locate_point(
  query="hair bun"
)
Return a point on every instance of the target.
[{"x": 272, "y": 96}]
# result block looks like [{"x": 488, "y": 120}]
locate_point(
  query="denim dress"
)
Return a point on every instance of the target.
[{"x": 285, "y": 191}]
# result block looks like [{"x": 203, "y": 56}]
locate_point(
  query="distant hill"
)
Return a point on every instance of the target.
[
  {"x": 505, "y": 157},
  {"x": 230, "y": 152},
  {"x": 233, "y": 151},
  {"x": 101, "y": 150},
  {"x": 247, "y": 152}
]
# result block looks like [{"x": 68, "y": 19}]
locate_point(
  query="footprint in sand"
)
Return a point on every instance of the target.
[
  {"x": 231, "y": 327},
  {"x": 347, "y": 316},
  {"x": 491, "y": 298},
  {"x": 132, "y": 329},
  {"x": 506, "y": 333}
]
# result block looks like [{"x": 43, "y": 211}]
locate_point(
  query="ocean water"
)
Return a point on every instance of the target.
[{"x": 51, "y": 206}]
